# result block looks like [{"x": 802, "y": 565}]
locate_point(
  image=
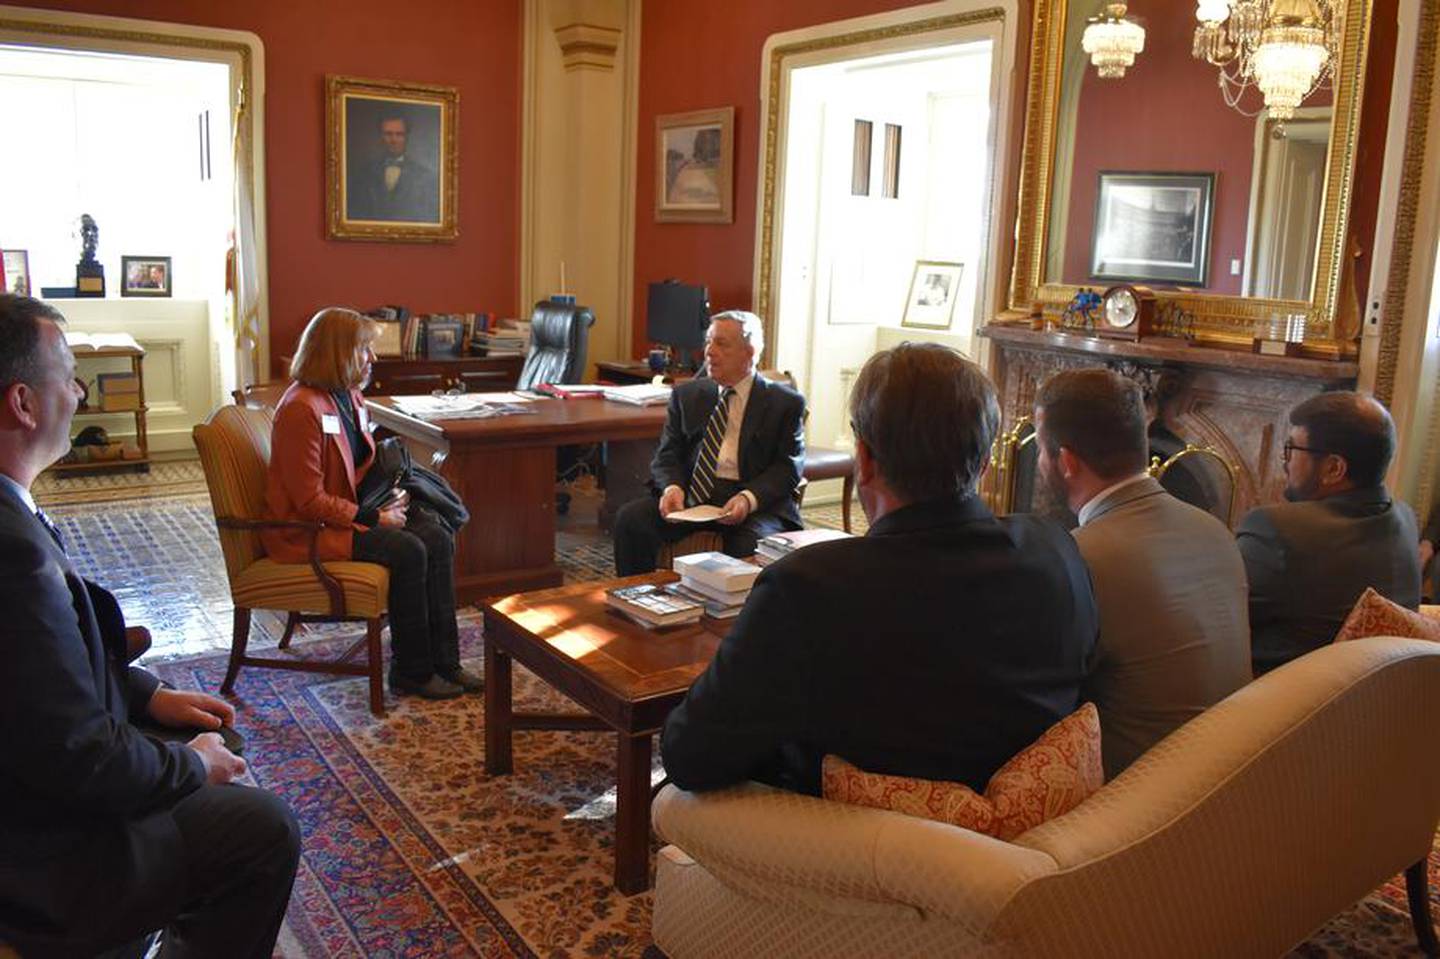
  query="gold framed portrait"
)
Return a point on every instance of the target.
[
  {"x": 390, "y": 160},
  {"x": 695, "y": 166}
]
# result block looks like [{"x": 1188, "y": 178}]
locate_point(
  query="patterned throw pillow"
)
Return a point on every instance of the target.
[
  {"x": 1046, "y": 779},
  {"x": 1374, "y": 615}
]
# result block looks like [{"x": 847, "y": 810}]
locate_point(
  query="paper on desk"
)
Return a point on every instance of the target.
[
  {"x": 461, "y": 405},
  {"x": 696, "y": 514}
]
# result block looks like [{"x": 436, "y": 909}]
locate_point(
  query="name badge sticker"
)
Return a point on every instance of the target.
[
  {"x": 365, "y": 423},
  {"x": 330, "y": 423}
]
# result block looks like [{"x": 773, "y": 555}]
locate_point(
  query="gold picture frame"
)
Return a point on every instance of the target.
[
  {"x": 695, "y": 166},
  {"x": 391, "y": 160}
]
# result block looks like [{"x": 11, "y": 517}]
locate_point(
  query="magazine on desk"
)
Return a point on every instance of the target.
[{"x": 463, "y": 406}]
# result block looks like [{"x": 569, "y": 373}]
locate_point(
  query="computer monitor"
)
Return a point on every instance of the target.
[{"x": 676, "y": 315}]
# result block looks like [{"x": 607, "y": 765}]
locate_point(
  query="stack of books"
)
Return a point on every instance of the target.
[
  {"x": 503, "y": 340},
  {"x": 118, "y": 392},
  {"x": 780, "y": 545},
  {"x": 641, "y": 394},
  {"x": 722, "y": 583},
  {"x": 652, "y": 606}
]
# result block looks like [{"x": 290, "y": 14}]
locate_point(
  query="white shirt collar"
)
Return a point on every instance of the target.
[
  {"x": 1088, "y": 510},
  {"x": 742, "y": 389},
  {"x": 21, "y": 492}
]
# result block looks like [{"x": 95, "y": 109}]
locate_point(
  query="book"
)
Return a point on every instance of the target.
[
  {"x": 653, "y": 605},
  {"x": 716, "y": 608},
  {"x": 725, "y": 597},
  {"x": 778, "y": 545},
  {"x": 90, "y": 342},
  {"x": 718, "y": 570}
]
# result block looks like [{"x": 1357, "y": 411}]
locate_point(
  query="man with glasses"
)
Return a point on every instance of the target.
[{"x": 1308, "y": 560}]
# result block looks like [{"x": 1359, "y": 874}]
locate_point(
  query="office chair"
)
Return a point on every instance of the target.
[{"x": 559, "y": 335}]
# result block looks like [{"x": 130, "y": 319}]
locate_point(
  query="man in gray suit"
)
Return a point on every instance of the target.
[
  {"x": 1310, "y": 559},
  {"x": 1168, "y": 579}
]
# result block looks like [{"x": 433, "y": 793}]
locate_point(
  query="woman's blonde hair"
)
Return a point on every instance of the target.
[{"x": 328, "y": 356}]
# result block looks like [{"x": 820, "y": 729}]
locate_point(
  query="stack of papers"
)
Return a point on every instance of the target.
[
  {"x": 463, "y": 406},
  {"x": 503, "y": 340},
  {"x": 779, "y": 545},
  {"x": 641, "y": 394},
  {"x": 719, "y": 581}
]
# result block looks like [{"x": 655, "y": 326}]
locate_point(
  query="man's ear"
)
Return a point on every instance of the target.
[
  {"x": 1070, "y": 464},
  {"x": 865, "y": 466},
  {"x": 17, "y": 405},
  {"x": 1334, "y": 470}
]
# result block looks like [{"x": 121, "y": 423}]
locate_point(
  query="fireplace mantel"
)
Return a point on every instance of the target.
[{"x": 1233, "y": 401}]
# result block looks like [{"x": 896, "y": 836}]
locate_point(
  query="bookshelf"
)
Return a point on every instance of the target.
[{"x": 136, "y": 356}]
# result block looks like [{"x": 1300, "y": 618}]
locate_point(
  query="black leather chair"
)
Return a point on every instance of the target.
[{"x": 559, "y": 335}]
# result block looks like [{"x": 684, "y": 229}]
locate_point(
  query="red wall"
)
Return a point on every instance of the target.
[
  {"x": 1164, "y": 116},
  {"x": 472, "y": 46},
  {"x": 673, "y": 79}
]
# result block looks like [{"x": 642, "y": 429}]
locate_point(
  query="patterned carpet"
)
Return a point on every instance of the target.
[
  {"x": 410, "y": 849},
  {"x": 164, "y": 480}
]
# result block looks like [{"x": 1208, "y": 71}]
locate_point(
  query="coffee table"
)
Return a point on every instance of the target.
[{"x": 627, "y": 678}]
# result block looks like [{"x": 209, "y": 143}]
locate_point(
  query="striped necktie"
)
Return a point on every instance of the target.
[
  {"x": 702, "y": 480},
  {"x": 50, "y": 527}
]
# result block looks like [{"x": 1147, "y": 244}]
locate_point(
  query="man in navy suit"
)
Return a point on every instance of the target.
[
  {"x": 743, "y": 455},
  {"x": 107, "y": 834},
  {"x": 937, "y": 645}
]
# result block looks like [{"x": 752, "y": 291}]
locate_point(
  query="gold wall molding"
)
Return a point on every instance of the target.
[
  {"x": 1219, "y": 318},
  {"x": 769, "y": 168}
]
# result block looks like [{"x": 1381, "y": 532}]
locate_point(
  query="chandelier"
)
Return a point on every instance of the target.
[
  {"x": 1112, "y": 41},
  {"x": 1284, "y": 48}
]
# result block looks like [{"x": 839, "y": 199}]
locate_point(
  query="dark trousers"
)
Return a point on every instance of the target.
[
  {"x": 218, "y": 887},
  {"x": 640, "y": 531},
  {"x": 424, "y": 637}
]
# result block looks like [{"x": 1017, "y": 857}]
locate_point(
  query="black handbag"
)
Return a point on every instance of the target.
[{"x": 393, "y": 468}]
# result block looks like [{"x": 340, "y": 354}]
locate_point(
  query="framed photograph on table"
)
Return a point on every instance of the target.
[
  {"x": 145, "y": 276},
  {"x": 16, "y": 271},
  {"x": 934, "y": 287},
  {"x": 1153, "y": 226},
  {"x": 390, "y": 160},
  {"x": 694, "y": 166}
]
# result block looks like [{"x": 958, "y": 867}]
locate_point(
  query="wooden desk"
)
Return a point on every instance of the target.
[
  {"x": 393, "y": 375},
  {"x": 504, "y": 470},
  {"x": 627, "y": 677},
  {"x": 630, "y": 372}
]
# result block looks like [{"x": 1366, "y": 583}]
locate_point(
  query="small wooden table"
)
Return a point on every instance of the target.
[{"x": 626, "y": 676}]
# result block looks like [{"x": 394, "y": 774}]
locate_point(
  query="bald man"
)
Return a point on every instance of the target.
[{"x": 1308, "y": 560}]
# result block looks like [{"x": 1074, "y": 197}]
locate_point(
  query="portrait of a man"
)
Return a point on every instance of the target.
[
  {"x": 391, "y": 150},
  {"x": 391, "y": 173}
]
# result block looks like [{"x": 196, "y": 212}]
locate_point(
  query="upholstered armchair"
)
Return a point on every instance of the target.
[
  {"x": 1237, "y": 835},
  {"x": 234, "y": 446}
]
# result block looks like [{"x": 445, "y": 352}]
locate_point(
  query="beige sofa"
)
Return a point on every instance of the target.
[{"x": 1238, "y": 835}]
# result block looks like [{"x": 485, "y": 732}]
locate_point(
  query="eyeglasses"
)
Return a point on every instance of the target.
[{"x": 1290, "y": 447}]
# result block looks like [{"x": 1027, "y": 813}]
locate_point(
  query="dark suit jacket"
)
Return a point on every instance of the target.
[
  {"x": 1308, "y": 563},
  {"x": 938, "y": 645},
  {"x": 772, "y": 442},
  {"x": 416, "y": 196},
  {"x": 83, "y": 794}
]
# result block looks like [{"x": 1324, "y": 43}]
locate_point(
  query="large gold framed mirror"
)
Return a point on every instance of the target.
[{"x": 1263, "y": 204}]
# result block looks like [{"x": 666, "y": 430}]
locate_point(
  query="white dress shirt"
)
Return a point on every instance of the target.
[{"x": 21, "y": 492}]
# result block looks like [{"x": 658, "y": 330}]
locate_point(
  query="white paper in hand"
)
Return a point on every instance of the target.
[{"x": 696, "y": 514}]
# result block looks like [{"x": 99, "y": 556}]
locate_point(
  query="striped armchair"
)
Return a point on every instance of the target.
[{"x": 234, "y": 446}]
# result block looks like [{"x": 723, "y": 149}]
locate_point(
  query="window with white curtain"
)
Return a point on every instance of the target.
[{"x": 142, "y": 144}]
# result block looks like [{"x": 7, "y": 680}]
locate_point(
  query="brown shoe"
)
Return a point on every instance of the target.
[
  {"x": 465, "y": 679},
  {"x": 436, "y": 687}
]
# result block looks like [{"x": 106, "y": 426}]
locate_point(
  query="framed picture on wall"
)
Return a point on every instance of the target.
[
  {"x": 145, "y": 276},
  {"x": 390, "y": 160},
  {"x": 16, "y": 272},
  {"x": 1153, "y": 226},
  {"x": 934, "y": 288},
  {"x": 694, "y": 166}
]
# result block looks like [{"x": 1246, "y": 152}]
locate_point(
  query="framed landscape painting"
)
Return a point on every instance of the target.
[
  {"x": 694, "y": 166},
  {"x": 1153, "y": 226},
  {"x": 390, "y": 160}
]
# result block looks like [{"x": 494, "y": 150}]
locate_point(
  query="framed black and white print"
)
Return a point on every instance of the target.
[{"x": 1153, "y": 226}]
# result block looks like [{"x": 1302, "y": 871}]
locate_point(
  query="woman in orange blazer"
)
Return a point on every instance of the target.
[{"x": 321, "y": 449}]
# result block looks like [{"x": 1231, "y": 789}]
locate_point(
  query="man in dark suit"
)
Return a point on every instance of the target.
[
  {"x": 400, "y": 186},
  {"x": 107, "y": 834},
  {"x": 744, "y": 455},
  {"x": 938, "y": 645},
  {"x": 1310, "y": 559}
]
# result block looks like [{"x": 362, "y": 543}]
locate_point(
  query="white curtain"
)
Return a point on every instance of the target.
[{"x": 242, "y": 272}]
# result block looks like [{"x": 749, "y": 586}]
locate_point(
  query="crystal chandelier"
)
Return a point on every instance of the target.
[
  {"x": 1112, "y": 41},
  {"x": 1284, "y": 48}
]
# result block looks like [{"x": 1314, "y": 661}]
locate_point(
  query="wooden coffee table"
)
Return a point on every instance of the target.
[{"x": 627, "y": 677}]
